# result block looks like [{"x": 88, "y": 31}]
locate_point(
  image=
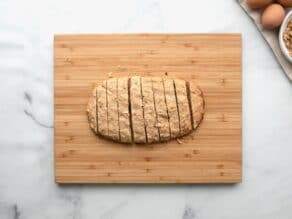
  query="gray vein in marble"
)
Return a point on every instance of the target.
[
  {"x": 76, "y": 201},
  {"x": 16, "y": 212},
  {"x": 110, "y": 213},
  {"x": 28, "y": 97},
  {"x": 29, "y": 114},
  {"x": 189, "y": 213},
  {"x": 72, "y": 195}
]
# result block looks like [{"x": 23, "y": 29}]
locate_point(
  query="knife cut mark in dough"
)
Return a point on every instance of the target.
[
  {"x": 117, "y": 99},
  {"x": 177, "y": 108},
  {"x": 102, "y": 109},
  {"x": 166, "y": 108},
  {"x": 190, "y": 103},
  {"x": 130, "y": 109},
  {"x": 172, "y": 108},
  {"x": 183, "y": 106},
  {"x": 149, "y": 111},
  {"x": 162, "y": 117},
  {"x": 155, "y": 111},
  {"x": 141, "y": 87},
  {"x": 113, "y": 119},
  {"x": 145, "y": 109},
  {"x": 124, "y": 114},
  {"x": 137, "y": 111}
]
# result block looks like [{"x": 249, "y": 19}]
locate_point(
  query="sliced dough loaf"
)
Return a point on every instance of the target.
[{"x": 145, "y": 110}]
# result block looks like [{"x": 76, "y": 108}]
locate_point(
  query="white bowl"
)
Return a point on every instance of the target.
[{"x": 283, "y": 47}]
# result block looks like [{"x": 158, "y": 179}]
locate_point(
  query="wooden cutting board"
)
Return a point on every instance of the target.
[{"x": 212, "y": 154}]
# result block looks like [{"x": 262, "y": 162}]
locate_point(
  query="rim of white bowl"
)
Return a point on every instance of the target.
[{"x": 281, "y": 41}]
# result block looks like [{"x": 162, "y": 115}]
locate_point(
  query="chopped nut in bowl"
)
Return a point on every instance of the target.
[{"x": 285, "y": 37}]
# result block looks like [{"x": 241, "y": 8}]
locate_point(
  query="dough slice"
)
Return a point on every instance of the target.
[
  {"x": 91, "y": 110},
  {"x": 161, "y": 110},
  {"x": 138, "y": 126},
  {"x": 124, "y": 115},
  {"x": 102, "y": 109},
  {"x": 112, "y": 107},
  {"x": 183, "y": 107},
  {"x": 197, "y": 104},
  {"x": 172, "y": 108},
  {"x": 149, "y": 111}
]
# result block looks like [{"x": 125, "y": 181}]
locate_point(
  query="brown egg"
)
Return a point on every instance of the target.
[
  {"x": 273, "y": 16},
  {"x": 255, "y": 4},
  {"x": 285, "y": 3}
]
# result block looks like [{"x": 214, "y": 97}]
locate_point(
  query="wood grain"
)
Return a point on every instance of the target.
[{"x": 212, "y": 154}]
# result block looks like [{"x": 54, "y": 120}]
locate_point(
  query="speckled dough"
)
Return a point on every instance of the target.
[
  {"x": 149, "y": 108},
  {"x": 171, "y": 107},
  {"x": 138, "y": 123},
  {"x": 113, "y": 118},
  {"x": 145, "y": 109},
  {"x": 91, "y": 110},
  {"x": 197, "y": 104},
  {"x": 102, "y": 121},
  {"x": 124, "y": 115},
  {"x": 161, "y": 109},
  {"x": 183, "y": 107}
]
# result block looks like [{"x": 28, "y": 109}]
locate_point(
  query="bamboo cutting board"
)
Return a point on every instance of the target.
[{"x": 211, "y": 154}]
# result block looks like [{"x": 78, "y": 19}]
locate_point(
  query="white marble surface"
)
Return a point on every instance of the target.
[{"x": 27, "y": 188}]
